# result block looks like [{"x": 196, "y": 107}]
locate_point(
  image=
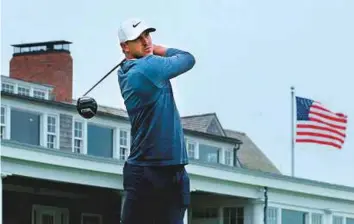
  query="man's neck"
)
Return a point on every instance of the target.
[{"x": 131, "y": 57}]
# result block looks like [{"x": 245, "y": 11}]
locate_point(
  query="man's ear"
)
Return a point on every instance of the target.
[{"x": 124, "y": 47}]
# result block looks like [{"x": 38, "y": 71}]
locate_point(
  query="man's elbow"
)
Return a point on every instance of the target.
[{"x": 191, "y": 60}]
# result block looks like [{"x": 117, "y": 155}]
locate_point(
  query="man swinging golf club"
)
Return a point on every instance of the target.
[{"x": 156, "y": 184}]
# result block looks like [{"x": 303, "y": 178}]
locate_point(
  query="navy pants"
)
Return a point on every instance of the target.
[{"x": 155, "y": 195}]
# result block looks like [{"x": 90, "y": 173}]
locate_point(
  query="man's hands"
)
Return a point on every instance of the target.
[{"x": 159, "y": 50}]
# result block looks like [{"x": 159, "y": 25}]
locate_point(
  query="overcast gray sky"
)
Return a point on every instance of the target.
[{"x": 248, "y": 55}]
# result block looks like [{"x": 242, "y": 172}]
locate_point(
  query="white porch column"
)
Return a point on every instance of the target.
[
  {"x": 221, "y": 215},
  {"x": 253, "y": 213},
  {"x": 328, "y": 217}
]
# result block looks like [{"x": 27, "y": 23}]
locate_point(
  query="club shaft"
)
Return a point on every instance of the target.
[{"x": 114, "y": 68}]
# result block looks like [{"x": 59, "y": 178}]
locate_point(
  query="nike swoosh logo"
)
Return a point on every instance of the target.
[{"x": 135, "y": 25}]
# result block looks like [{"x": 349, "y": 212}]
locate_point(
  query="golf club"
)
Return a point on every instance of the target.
[{"x": 87, "y": 106}]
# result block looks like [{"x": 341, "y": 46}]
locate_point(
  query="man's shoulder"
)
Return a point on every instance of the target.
[
  {"x": 146, "y": 66},
  {"x": 141, "y": 64}
]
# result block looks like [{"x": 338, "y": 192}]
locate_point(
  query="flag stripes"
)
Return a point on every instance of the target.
[{"x": 319, "y": 125}]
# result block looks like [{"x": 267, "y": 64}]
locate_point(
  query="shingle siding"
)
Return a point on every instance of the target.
[
  {"x": 214, "y": 128},
  {"x": 66, "y": 132},
  {"x": 197, "y": 123}
]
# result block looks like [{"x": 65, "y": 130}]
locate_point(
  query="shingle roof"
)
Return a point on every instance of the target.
[
  {"x": 203, "y": 123},
  {"x": 197, "y": 122},
  {"x": 250, "y": 155}
]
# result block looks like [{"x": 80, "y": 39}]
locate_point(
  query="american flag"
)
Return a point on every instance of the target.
[{"x": 317, "y": 124}]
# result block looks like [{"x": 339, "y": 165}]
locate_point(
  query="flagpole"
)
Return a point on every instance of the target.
[{"x": 292, "y": 132}]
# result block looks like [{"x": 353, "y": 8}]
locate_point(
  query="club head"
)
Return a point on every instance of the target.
[{"x": 87, "y": 107}]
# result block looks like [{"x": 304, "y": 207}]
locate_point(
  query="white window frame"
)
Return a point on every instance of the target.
[
  {"x": 196, "y": 146},
  {"x": 24, "y": 87},
  {"x": 22, "y": 108},
  {"x": 119, "y": 146},
  {"x": 43, "y": 114},
  {"x": 314, "y": 215},
  {"x": 56, "y": 134},
  {"x": 272, "y": 215},
  {"x": 83, "y": 137},
  {"x": 91, "y": 215},
  {"x": 194, "y": 143},
  {"x": 220, "y": 153},
  {"x": 9, "y": 84},
  {"x": 227, "y": 150},
  {"x": 55, "y": 211},
  {"x": 6, "y": 125},
  {"x": 104, "y": 124},
  {"x": 45, "y": 93},
  {"x": 236, "y": 208},
  {"x": 343, "y": 220},
  {"x": 32, "y": 88}
]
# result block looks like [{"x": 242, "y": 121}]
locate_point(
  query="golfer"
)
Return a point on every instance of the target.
[{"x": 156, "y": 184}]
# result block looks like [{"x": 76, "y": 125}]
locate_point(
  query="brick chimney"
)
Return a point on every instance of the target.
[{"x": 45, "y": 63}]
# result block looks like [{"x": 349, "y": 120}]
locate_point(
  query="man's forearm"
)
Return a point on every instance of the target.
[
  {"x": 159, "y": 50},
  {"x": 168, "y": 63}
]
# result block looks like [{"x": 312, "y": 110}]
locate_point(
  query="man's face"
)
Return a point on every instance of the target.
[{"x": 139, "y": 47}]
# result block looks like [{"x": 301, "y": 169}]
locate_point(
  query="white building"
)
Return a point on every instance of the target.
[{"x": 57, "y": 167}]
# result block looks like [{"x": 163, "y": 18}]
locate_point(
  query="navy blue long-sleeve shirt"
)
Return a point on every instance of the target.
[{"x": 156, "y": 131}]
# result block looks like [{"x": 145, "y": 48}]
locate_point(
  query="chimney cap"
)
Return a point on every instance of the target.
[
  {"x": 41, "y": 47},
  {"x": 42, "y": 43}
]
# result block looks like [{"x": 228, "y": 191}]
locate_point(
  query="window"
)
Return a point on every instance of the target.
[
  {"x": 58, "y": 46},
  {"x": 91, "y": 219},
  {"x": 337, "y": 220},
  {"x": 209, "y": 153},
  {"x": 25, "y": 126},
  {"x": 316, "y": 218},
  {"x": 37, "y": 48},
  {"x": 7, "y": 87},
  {"x": 51, "y": 132},
  {"x": 123, "y": 145},
  {"x": 205, "y": 214},
  {"x": 3, "y": 123},
  {"x": 228, "y": 157},
  {"x": 66, "y": 47},
  {"x": 99, "y": 141},
  {"x": 39, "y": 94},
  {"x": 191, "y": 149},
  {"x": 233, "y": 215},
  {"x": 350, "y": 221},
  {"x": 17, "y": 50},
  {"x": 25, "y": 49},
  {"x": 78, "y": 137},
  {"x": 272, "y": 215},
  {"x": 49, "y": 215},
  {"x": 293, "y": 217},
  {"x": 23, "y": 91}
]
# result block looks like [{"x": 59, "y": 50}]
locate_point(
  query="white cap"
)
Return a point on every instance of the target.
[{"x": 132, "y": 29}]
